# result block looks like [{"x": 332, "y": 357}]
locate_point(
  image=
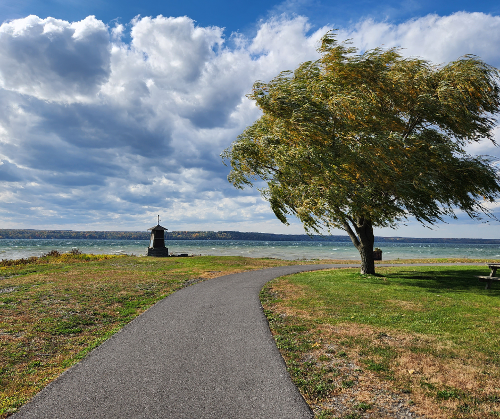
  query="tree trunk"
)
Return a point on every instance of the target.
[
  {"x": 367, "y": 261},
  {"x": 367, "y": 240},
  {"x": 363, "y": 240}
]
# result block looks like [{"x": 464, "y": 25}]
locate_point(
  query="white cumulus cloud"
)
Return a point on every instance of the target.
[
  {"x": 54, "y": 60},
  {"x": 436, "y": 38}
]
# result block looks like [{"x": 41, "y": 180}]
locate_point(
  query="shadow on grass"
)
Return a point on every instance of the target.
[{"x": 456, "y": 280}]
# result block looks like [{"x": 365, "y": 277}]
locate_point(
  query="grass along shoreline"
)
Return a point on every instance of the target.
[
  {"x": 409, "y": 342},
  {"x": 55, "y": 309}
]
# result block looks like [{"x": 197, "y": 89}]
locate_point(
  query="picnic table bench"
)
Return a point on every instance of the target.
[{"x": 492, "y": 277}]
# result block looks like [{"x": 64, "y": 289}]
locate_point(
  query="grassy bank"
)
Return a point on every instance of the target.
[
  {"x": 413, "y": 340},
  {"x": 54, "y": 309}
]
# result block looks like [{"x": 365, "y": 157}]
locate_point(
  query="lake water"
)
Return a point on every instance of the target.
[{"x": 291, "y": 250}]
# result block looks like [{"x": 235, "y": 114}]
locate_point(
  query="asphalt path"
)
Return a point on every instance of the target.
[{"x": 205, "y": 351}]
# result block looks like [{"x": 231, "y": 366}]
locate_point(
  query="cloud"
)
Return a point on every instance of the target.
[
  {"x": 101, "y": 133},
  {"x": 175, "y": 50},
  {"x": 9, "y": 172},
  {"x": 53, "y": 59},
  {"x": 436, "y": 38}
]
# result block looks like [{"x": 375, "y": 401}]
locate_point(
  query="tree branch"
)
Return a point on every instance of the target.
[{"x": 348, "y": 229}]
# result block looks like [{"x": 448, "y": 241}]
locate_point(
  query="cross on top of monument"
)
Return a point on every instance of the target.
[{"x": 158, "y": 227}]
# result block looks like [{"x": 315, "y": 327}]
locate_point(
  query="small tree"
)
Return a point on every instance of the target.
[{"x": 356, "y": 141}]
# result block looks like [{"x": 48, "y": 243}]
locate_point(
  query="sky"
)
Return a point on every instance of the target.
[{"x": 112, "y": 112}]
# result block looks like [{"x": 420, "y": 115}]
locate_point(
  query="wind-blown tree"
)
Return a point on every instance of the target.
[{"x": 356, "y": 141}]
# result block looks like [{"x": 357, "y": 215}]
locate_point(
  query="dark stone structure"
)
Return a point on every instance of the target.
[
  {"x": 377, "y": 254},
  {"x": 157, "y": 244}
]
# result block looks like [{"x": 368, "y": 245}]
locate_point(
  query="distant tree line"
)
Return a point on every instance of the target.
[
  {"x": 69, "y": 234},
  {"x": 214, "y": 235}
]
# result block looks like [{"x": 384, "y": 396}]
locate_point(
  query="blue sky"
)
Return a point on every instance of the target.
[
  {"x": 243, "y": 16},
  {"x": 114, "y": 112}
]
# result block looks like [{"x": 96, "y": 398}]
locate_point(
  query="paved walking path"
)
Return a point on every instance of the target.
[{"x": 203, "y": 352}]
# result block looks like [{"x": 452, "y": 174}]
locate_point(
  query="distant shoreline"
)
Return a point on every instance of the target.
[{"x": 217, "y": 235}]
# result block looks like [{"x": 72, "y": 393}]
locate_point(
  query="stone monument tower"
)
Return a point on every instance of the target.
[{"x": 157, "y": 244}]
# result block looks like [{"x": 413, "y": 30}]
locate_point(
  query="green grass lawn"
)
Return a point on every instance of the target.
[{"x": 424, "y": 339}]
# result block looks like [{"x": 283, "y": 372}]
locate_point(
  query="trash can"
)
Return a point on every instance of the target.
[{"x": 377, "y": 254}]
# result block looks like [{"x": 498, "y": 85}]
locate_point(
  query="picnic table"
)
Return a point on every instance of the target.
[
  {"x": 493, "y": 268},
  {"x": 489, "y": 279}
]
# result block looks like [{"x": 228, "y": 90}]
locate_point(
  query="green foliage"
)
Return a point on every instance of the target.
[
  {"x": 54, "y": 257},
  {"x": 364, "y": 406},
  {"x": 353, "y": 141}
]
